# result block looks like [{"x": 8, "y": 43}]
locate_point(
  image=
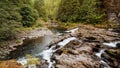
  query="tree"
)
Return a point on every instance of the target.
[
  {"x": 77, "y": 10},
  {"x": 13, "y": 14},
  {"x": 29, "y": 16},
  {"x": 39, "y": 6},
  {"x": 68, "y": 10}
]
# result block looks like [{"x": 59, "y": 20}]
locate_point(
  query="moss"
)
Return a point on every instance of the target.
[
  {"x": 32, "y": 59},
  {"x": 111, "y": 53},
  {"x": 107, "y": 25},
  {"x": 17, "y": 41}
]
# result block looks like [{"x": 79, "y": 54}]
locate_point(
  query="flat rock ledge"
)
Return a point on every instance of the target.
[
  {"x": 80, "y": 53},
  {"x": 32, "y": 34}
]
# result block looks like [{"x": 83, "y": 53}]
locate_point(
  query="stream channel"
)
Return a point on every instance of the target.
[{"x": 39, "y": 48}]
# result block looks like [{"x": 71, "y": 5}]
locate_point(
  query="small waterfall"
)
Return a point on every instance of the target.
[
  {"x": 100, "y": 53},
  {"x": 46, "y": 54},
  {"x": 110, "y": 44},
  {"x": 105, "y": 64},
  {"x": 101, "y": 61},
  {"x": 72, "y": 30}
]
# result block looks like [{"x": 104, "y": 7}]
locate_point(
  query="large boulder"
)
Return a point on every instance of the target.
[{"x": 76, "y": 55}]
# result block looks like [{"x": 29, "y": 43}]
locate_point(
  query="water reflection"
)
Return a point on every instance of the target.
[{"x": 32, "y": 47}]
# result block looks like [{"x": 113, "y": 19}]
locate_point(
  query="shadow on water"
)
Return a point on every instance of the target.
[
  {"x": 35, "y": 46},
  {"x": 31, "y": 46},
  {"x": 58, "y": 29}
]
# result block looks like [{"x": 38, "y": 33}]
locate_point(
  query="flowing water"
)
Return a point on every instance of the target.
[
  {"x": 32, "y": 47},
  {"x": 38, "y": 48},
  {"x": 110, "y": 44}
]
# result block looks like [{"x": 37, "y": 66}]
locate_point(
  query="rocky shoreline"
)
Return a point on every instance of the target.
[
  {"x": 32, "y": 34},
  {"x": 85, "y": 52},
  {"x": 81, "y": 53}
]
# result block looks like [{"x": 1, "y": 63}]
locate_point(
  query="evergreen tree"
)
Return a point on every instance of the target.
[
  {"x": 68, "y": 10},
  {"x": 39, "y": 6},
  {"x": 77, "y": 10},
  {"x": 12, "y": 17}
]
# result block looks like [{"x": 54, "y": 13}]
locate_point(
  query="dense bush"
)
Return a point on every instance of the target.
[
  {"x": 39, "y": 6},
  {"x": 68, "y": 10},
  {"x": 14, "y": 14},
  {"x": 51, "y": 8},
  {"x": 29, "y": 16},
  {"x": 9, "y": 20},
  {"x": 77, "y": 10},
  {"x": 9, "y": 31}
]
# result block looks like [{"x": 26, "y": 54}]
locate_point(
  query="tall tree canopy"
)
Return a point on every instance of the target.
[
  {"x": 15, "y": 14},
  {"x": 79, "y": 10}
]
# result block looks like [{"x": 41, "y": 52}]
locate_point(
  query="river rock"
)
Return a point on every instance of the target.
[
  {"x": 110, "y": 56},
  {"x": 76, "y": 55},
  {"x": 118, "y": 45},
  {"x": 80, "y": 53},
  {"x": 91, "y": 33}
]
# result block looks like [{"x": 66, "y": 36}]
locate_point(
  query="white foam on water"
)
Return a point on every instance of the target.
[
  {"x": 66, "y": 41},
  {"x": 111, "y": 44},
  {"x": 105, "y": 64},
  {"x": 101, "y": 61},
  {"x": 100, "y": 53},
  {"x": 46, "y": 54},
  {"x": 32, "y": 66},
  {"x": 23, "y": 61},
  {"x": 72, "y": 30}
]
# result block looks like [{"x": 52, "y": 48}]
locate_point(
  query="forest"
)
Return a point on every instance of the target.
[
  {"x": 24, "y": 13},
  {"x": 20, "y": 17}
]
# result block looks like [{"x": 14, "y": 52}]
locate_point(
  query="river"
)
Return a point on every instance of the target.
[{"x": 39, "y": 48}]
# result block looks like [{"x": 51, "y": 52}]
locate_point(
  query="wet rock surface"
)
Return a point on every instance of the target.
[
  {"x": 74, "y": 55},
  {"x": 13, "y": 45},
  {"x": 80, "y": 50},
  {"x": 81, "y": 53}
]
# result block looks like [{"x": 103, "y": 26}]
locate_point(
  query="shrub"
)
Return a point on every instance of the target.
[
  {"x": 77, "y": 10},
  {"x": 39, "y": 6},
  {"x": 8, "y": 31},
  {"x": 29, "y": 16},
  {"x": 14, "y": 14}
]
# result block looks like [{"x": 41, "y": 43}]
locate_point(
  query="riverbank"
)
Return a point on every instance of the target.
[
  {"x": 89, "y": 42},
  {"x": 12, "y": 45},
  {"x": 83, "y": 47},
  {"x": 84, "y": 52}
]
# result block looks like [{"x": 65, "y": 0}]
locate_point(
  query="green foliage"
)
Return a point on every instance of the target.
[
  {"x": 89, "y": 12},
  {"x": 29, "y": 16},
  {"x": 111, "y": 53},
  {"x": 51, "y": 8},
  {"x": 32, "y": 59},
  {"x": 77, "y": 10},
  {"x": 9, "y": 20},
  {"x": 8, "y": 30},
  {"x": 68, "y": 10},
  {"x": 39, "y": 6},
  {"x": 13, "y": 13}
]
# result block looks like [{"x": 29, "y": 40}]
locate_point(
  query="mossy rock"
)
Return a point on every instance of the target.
[{"x": 111, "y": 53}]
